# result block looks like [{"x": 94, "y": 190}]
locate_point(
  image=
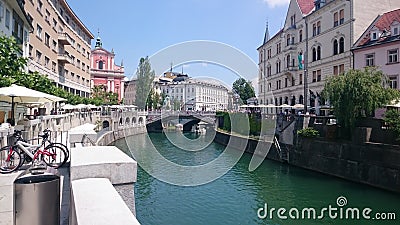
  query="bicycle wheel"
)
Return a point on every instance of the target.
[
  {"x": 9, "y": 160},
  {"x": 61, "y": 145},
  {"x": 54, "y": 156}
]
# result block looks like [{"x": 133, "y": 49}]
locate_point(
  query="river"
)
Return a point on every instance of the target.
[{"x": 239, "y": 197}]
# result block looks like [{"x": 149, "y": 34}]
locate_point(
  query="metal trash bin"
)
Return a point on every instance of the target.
[{"x": 37, "y": 199}]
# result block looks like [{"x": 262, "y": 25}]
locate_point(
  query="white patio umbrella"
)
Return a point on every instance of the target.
[
  {"x": 68, "y": 107},
  {"x": 19, "y": 94},
  {"x": 298, "y": 106},
  {"x": 285, "y": 106}
]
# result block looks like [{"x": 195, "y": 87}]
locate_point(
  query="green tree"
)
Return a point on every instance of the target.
[
  {"x": 244, "y": 89},
  {"x": 145, "y": 76},
  {"x": 100, "y": 96},
  {"x": 392, "y": 119},
  {"x": 356, "y": 94},
  {"x": 11, "y": 62}
]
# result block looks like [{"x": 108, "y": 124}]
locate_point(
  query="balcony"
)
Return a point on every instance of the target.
[
  {"x": 290, "y": 47},
  {"x": 64, "y": 39},
  {"x": 63, "y": 58}
]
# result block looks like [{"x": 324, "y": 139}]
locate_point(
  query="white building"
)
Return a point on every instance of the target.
[
  {"x": 14, "y": 22},
  {"x": 194, "y": 94},
  {"x": 320, "y": 34}
]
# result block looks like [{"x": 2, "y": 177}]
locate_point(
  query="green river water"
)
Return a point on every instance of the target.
[{"x": 236, "y": 197}]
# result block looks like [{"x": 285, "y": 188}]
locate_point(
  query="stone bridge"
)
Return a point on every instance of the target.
[
  {"x": 115, "y": 120},
  {"x": 157, "y": 120}
]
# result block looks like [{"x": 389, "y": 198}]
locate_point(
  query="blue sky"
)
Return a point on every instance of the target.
[{"x": 136, "y": 29}]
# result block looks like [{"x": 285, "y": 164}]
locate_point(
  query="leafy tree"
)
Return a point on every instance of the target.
[
  {"x": 244, "y": 89},
  {"x": 11, "y": 64},
  {"x": 392, "y": 118},
  {"x": 145, "y": 77},
  {"x": 101, "y": 96},
  {"x": 356, "y": 94}
]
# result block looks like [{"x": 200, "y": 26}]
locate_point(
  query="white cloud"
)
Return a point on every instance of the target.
[{"x": 275, "y": 3}]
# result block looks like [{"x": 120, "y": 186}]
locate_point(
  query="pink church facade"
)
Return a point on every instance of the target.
[{"x": 104, "y": 71}]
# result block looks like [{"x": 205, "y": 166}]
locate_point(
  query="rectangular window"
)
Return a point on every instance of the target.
[
  {"x": 54, "y": 24},
  {"x": 38, "y": 56},
  {"x": 314, "y": 76},
  {"x": 341, "y": 68},
  {"x": 47, "y": 16},
  {"x": 314, "y": 29},
  {"x": 395, "y": 31},
  {"x": 335, "y": 70},
  {"x": 286, "y": 82},
  {"x": 300, "y": 35},
  {"x": 369, "y": 60},
  {"x": 341, "y": 16},
  {"x": 318, "y": 27},
  {"x": 393, "y": 56},
  {"x": 38, "y": 31},
  {"x": 47, "y": 39},
  {"x": 393, "y": 82},
  {"x": 8, "y": 17},
  {"x": 39, "y": 7},
  {"x": 46, "y": 62},
  {"x": 300, "y": 78},
  {"x": 319, "y": 75},
  {"x": 335, "y": 19},
  {"x": 30, "y": 50},
  {"x": 54, "y": 46},
  {"x": 53, "y": 66}
]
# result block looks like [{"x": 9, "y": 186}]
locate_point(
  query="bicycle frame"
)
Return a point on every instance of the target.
[{"x": 26, "y": 147}]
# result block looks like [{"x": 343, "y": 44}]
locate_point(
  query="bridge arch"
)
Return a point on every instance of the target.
[
  {"x": 105, "y": 124},
  {"x": 134, "y": 121},
  {"x": 127, "y": 121},
  {"x": 141, "y": 121},
  {"x": 120, "y": 121}
]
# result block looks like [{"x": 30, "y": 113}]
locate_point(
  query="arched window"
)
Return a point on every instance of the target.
[
  {"x": 288, "y": 40},
  {"x": 314, "y": 54},
  {"x": 341, "y": 45},
  {"x": 101, "y": 65},
  {"x": 318, "y": 52},
  {"x": 335, "y": 47}
]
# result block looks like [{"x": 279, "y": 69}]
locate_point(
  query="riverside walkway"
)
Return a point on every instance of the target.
[{"x": 92, "y": 169}]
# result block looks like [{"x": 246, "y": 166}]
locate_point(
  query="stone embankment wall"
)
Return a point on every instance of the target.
[
  {"x": 112, "y": 136},
  {"x": 251, "y": 146},
  {"x": 369, "y": 163}
]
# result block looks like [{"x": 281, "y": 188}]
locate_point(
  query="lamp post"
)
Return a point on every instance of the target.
[{"x": 12, "y": 122}]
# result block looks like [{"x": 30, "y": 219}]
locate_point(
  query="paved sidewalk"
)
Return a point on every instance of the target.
[{"x": 7, "y": 196}]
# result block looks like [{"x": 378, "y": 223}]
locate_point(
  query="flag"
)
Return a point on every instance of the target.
[{"x": 301, "y": 61}]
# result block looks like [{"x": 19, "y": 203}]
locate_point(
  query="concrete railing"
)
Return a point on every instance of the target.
[
  {"x": 102, "y": 186},
  {"x": 95, "y": 201}
]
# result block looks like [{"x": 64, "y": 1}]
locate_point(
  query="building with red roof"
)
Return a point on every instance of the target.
[
  {"x": 315, "y": 43},
  {"x": 379, "y": 46}
]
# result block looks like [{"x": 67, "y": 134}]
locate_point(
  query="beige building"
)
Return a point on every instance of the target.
[
  {"x": 314, "y": 44},
  {"x": 60, "y": 45}
]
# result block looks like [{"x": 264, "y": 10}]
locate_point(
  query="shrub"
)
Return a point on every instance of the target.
[
  {"x": 308, "y": 132},
  {"x": 392, "y": 119}
]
